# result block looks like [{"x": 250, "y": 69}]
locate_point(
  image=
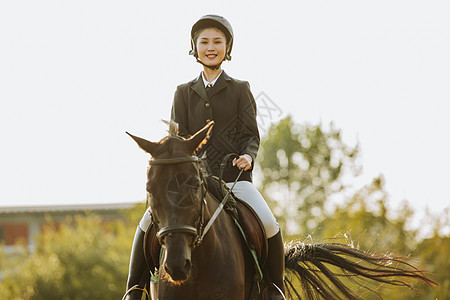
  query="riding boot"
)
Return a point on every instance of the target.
[
  {"x": 138, "y": 274},
  {"x": 275, "y": 264}
]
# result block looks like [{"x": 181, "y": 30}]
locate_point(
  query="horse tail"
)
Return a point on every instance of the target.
[{"x": 319, "y": 268}]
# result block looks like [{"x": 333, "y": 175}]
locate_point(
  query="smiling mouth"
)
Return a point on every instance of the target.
[{"x": 211, "y": 56}]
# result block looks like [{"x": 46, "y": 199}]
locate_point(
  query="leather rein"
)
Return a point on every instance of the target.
[{"x": 201, "y": 230}]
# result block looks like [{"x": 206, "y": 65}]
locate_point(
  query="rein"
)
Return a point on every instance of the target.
[
  {"x": 199, "y": 233},
  {"x": 218, "y": 210}
]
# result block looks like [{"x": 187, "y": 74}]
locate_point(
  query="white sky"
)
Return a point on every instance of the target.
[{"x": 75, "y": 75}]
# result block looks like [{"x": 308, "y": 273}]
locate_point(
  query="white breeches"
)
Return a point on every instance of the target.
[
  {"x": 247, "y": 192},
  {"x": 146, "y": 220}
]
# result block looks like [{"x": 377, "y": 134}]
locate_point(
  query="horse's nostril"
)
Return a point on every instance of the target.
[
  {"x": 180, "y": 272},
  {"x": 187, "y": 264}
]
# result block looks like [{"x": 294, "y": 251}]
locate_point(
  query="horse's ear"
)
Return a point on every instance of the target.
[
  {"x": 145, "y": 145},
  {"x": 200, "y": 137}
]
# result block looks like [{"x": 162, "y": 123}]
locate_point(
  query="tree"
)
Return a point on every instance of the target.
[
  {"x": 302, "y": 166},
  {"x": 368, "y": 223},
  {"x": 85, "y": 258},
  {"x": 365, "y": 218},
  {"x": 435, "y": 252}
]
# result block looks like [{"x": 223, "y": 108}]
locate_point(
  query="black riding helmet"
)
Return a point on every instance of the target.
[{"x": 213, "y": 21}]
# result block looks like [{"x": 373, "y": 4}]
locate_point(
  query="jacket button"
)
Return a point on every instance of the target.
[
  {"x": 208, "y": 120},
  {"x": 207, "y": 105}
]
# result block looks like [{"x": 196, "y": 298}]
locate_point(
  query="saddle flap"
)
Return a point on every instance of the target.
[
  {"x": 152, "y": 248},
  {"x": 253, "y": 229}
]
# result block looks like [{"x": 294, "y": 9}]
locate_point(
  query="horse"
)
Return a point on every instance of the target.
[{"x": 215, "y": 263}]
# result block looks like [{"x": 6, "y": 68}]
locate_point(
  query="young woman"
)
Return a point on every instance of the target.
[{"x": 214, "y": 95}]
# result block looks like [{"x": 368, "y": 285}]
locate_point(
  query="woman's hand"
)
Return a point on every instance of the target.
[{"x": 243, "y": 162}]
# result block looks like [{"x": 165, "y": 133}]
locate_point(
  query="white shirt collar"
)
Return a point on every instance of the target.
[{"x": 212, "y": 82}]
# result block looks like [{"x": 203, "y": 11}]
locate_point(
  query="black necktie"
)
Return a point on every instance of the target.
[{"x": 208, "y": 89}]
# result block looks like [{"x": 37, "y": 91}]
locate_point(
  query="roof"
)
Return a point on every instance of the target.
[{"x": 65, "y": 208}]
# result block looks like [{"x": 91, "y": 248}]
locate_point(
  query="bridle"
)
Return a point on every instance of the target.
[
  {"x": 201, "y": 230},
  {"x": 196, "y": 232}
]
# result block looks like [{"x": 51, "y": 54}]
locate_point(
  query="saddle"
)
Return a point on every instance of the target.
[{"x": 245, "y": 218}]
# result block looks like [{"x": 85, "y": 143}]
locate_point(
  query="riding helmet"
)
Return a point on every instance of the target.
[{"x": 217, "y": 22}]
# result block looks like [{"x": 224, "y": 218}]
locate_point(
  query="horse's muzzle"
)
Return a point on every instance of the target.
[
  {"x": 180, "y": 271},
  {"x": 177, "y": 258}
]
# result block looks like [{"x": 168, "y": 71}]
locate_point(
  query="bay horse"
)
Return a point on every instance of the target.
[{"x": 217, "y": 264}]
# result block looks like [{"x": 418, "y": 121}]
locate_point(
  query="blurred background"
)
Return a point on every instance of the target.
[{"x": 353, "y": 102}]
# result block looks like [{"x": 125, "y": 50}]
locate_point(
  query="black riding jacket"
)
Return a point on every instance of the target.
[{"x": 231, "y": 105}]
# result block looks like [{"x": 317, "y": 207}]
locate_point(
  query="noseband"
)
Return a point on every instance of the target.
[{"x": 196, "y": 232}]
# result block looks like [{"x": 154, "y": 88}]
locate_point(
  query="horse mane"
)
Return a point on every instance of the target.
[
  {"x": 169, "y": 141},
  {"x": 174, "y": 128}
]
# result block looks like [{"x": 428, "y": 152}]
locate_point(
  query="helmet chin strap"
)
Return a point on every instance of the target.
[{"x": 210, "y": 67}]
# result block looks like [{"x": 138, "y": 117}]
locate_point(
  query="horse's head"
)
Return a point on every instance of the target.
[{"x": 176, "y": 195}]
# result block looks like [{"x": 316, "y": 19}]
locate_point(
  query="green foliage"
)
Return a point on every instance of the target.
[
  {"x": 435, "y": 252},
  {"x": 302, "y": 165},
  {"x": 371, "y": 230},
  {"x": 364, "y": 219},
  {"x": 85, "y": 258}
]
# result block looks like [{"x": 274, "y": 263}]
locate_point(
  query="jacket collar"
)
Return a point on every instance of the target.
[{"x": 199, "y": 87}]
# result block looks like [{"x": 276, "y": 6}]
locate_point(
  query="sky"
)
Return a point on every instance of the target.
[{"x": 75, "y": 75}]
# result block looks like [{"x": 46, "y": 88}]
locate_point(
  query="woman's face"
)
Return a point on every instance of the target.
[{"x": 211, "y": 46}]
